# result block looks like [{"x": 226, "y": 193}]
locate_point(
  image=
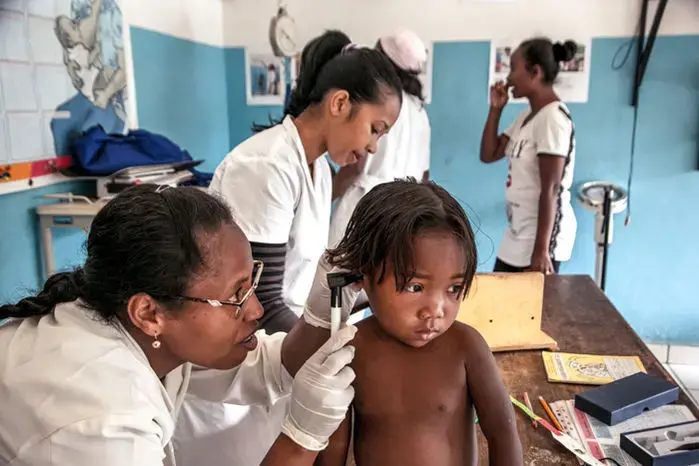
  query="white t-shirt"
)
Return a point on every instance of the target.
[
  {"x": 403, "y": 152},
  {"x": 268, "y": 185},
  {"x": 550, "y": 131},
  {"x": 76, "y": 391}
]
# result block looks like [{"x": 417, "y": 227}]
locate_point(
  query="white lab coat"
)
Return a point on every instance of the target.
[
  {"x": 403, "y": 152},
  {"x": 276, "y": 199},
  {"x": 75, "y": 391}
]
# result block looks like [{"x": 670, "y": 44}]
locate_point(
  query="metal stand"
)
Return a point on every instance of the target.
[
  {"x": 605, "y": 226},
  {"x": 605, "y": 200}
]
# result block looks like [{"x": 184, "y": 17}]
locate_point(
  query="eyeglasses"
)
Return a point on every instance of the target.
[{"x": 257, "y": 267}]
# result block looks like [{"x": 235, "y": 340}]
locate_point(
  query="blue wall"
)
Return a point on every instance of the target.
[{"x": 181, "y": 93}]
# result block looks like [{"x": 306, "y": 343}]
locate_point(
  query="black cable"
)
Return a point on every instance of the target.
[
  {"x": 629, "y": 48},
  {"x": 626, "y": 48},
  {"x": 631, "y": 161}
]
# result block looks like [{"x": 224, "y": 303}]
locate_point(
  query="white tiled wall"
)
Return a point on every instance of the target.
[
  {"x": 682, "y": 362},
  {"x": 33, "y": 78}
]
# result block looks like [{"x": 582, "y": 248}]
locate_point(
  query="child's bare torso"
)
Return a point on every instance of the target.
[{"x": 412, "y": 406}]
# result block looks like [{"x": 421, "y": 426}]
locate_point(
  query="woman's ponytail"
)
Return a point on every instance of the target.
[{"x": 59, "y": 288}]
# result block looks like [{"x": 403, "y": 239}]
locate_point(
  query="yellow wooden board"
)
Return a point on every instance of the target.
[{"x": 506, "y": 309}]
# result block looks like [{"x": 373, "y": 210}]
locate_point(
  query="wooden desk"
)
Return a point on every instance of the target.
[{"x": 582, "y": 320}]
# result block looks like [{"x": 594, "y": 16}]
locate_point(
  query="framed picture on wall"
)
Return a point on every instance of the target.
[{"x": 265, "y": 79}]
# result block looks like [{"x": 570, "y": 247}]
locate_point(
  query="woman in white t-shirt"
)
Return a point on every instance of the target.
[
  {"x": 405, "y": 151},
  {"x": 540, "y": 149},
  {"x": 278, "y": 184}
]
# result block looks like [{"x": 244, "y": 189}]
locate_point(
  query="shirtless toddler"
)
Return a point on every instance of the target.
[{"x": 420, "y": 374}]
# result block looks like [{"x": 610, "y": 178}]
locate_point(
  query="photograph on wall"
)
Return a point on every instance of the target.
[
  {"x": 572, "y": 84},
  {"x": 62, "y": 71},
  {"x": 265, "y": 79},
  {"x": 426, "y": 75}
]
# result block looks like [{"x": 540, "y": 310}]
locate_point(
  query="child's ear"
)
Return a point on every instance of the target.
[{"x": 359, "y": 285}]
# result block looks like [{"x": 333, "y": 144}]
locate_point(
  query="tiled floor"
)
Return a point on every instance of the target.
[{"x": 682, "y": 362}]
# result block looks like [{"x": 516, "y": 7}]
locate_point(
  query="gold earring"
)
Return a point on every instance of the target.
[{"x": 156, "y": 343}]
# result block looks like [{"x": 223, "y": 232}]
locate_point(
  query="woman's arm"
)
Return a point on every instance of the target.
[
  {"x": 262, "y": 195},
  {"x": 493, "y": 145},
  {"x": 285, "y": 452},
  {"x": 554, "y": 137},
  {"x": 551, "y": 173},
  {"x": 277, "y": 316},
  {"x": 492, "y": 402},
  {"x": 336, "y": 452}
]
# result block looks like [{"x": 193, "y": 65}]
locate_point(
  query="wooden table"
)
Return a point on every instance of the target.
[{"x": 582, "y": 320}]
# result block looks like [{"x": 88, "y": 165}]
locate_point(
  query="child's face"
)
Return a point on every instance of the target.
[{"x": 429, "y": 303}]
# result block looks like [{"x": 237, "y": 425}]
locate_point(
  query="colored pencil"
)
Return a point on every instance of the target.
[
  {"x": 550, "y": 414},
  {"x": 542, "y": 422},
  {"x": 529, "y": 405}
]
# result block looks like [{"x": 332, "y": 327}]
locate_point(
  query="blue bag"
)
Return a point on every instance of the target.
[{"x": 100, "y": 154}]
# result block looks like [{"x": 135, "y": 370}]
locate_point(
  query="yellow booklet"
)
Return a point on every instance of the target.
[{"x": 589, "y": 369}]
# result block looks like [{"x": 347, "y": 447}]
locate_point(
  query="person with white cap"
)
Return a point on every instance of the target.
[{"x": 405, "y": 150}]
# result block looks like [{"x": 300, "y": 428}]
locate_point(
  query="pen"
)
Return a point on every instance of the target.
[
  {"x": 550, "y": 414},
  {"x": 529, "y": 405}
]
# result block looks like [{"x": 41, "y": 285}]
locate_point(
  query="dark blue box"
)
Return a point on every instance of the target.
[
  {"x": 653, "y": 447},
  {"x": 626, "y": 398}
]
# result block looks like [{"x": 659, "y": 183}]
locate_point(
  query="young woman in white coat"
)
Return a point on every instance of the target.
[
  {"x": 405, "y": 150},
  {"x": 540, "y": 149},
  {"x": 278, "y": 184},
  {"x": 94, "y": 368}
]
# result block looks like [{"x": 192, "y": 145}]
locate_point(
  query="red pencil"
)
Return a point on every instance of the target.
[{"x": 529, "y": 405}]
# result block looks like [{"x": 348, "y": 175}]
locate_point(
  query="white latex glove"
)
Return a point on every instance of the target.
[
  {"x": 317, "y": 309},
  {"x": 321, "y": 393}
]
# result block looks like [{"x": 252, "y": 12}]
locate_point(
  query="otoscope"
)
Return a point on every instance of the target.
[{"x": 336, "y": 282}]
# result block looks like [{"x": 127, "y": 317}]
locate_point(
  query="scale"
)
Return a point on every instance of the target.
[{"x": 605, "y": 199}]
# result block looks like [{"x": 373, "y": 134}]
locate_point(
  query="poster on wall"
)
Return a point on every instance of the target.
[
  {"x": 265, "y": 79},
  {"x": 573, "y": 82},
  {"x": 62, "y": 71}
]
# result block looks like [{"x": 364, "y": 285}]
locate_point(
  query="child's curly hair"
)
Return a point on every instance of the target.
[{"x": 387, "y": 220}]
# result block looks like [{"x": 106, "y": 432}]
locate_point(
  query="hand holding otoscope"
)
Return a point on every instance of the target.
[
  {"x": 332, "y": 297},
  {"x": 337, "y": 281}
]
